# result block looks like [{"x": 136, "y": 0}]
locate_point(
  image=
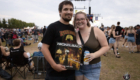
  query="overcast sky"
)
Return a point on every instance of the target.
[{"x": 44, "y": 12}]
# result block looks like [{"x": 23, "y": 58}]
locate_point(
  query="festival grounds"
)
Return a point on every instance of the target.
[{"x": 112, "y": 68}]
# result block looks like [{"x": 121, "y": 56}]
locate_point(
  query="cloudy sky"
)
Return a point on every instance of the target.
[{"x": 44, "y": 12}]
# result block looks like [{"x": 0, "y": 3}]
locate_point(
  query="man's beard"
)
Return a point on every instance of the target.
[{"x": 66, "y": 20}]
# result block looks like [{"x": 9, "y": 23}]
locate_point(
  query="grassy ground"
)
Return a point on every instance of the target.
[{"x": 112, "y": 68}]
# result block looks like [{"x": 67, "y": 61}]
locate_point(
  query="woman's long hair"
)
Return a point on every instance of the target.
[
  {"x": 125, "y": 30},
  {"x": 112, "y": 28},
  {"x": 131, "y": 28},
  {"x": 88, "y": 24}
]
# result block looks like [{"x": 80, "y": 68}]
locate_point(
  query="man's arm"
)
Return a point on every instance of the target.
[{"x": 48, "y": 57}]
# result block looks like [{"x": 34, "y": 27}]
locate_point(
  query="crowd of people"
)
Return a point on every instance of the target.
[
  {"x": 97, "y": 41},
  {"x": 16, "y": 40},
  {"x": 130, "y": 36},
  {"x": 8, "y": 35}
]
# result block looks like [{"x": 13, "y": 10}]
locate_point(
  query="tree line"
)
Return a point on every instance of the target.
[{"x": 14, "y": 23}]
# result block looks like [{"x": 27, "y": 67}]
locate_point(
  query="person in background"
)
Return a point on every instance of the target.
[
  {"x": 102, "y": 27},
  {"x": 138, "y": 38},
  {"x": 35, "y": 34},
  {"x": 118, "y": 32},
  {"x": 25, "y": 33},
  {"x": 39, "y": 53},
  {"x": 6, "y": 37},
  {"x": 29, "y": 36},
  {"x": 2, "y": 35},
  {"x": 126, "y": 37},
  {"x": 131, "y": 39},
  {"x": 19, "y": 52},
  {"x": 112, "y": 40},
  {"x": 44, "y": 29},
  {"x": 3, "y": 73}
]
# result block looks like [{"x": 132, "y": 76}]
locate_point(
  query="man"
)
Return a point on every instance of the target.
[
  {"x": 35, "y": 34},
  {"x": 60, "y": 31},
  {"x": 118, "y": 32},
  {"x": 6, "y": 37},
  {"x": 138, "y": 38},
  {"x": 102, "y": 27},
  {"x": 44, "y": 29}
]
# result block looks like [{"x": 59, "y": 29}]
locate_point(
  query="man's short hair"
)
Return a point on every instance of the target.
[
  {"x": 16, "y": 42},
  {"x": 64, "y": 3},
  {"x": 118, "y": 23},
  {"x": 138, "y": 26}
]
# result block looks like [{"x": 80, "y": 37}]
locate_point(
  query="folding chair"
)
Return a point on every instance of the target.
[
  {"x": 2, "y": 61},
  {"x": 19, "y": 62},
  {"x": 39, "y": 65}
]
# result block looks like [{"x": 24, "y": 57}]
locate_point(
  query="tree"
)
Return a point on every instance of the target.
[
  {"x": 4, "y": 23},
  {"x": 0, "y": 24},
  {"x": 15, "y": 23}
]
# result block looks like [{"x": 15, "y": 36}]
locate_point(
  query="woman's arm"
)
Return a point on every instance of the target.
[
  {"x": 103, "y": 42},
  {"x": 109, "y": 33},
  {"x": 3, "y": 51},
  {"x": 124, "y": 32},
  {"x": 115, "y": 35},
  {"x": 26, "y": 55},
  {"x": 127, "y": 33},
  {"x": 134, "y": 34}
]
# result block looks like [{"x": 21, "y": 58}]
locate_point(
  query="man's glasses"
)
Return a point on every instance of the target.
[{"x": 82, "y": 19}]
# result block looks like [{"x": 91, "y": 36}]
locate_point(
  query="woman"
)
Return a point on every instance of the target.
[
  {"x": 29, "y": 36},
  {"x": 95, "y": 42},
  {"x": 131, "y": 39},
  {"x": 112, "y": 40},
  {"x": 18, "y": 51},
  {"x": 125, "y": 38}
]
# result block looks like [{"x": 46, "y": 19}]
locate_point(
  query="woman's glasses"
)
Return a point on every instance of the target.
[{"x": 81, "y": 19}]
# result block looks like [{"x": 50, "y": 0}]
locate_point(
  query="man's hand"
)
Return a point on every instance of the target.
[{"x": 59, "y": 67}]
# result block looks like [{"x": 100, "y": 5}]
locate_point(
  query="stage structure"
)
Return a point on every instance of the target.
[{"x": 93, "y": 18}]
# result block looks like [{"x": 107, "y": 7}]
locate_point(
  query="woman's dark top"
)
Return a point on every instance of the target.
[
  {"x": 131, "y": 35},
  {"x": 93, "y": 44},
  {"x": 111, "y": 35}
]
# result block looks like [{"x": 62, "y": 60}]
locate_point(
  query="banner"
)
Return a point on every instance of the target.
[
  {"x": 79, "y": 11},
  {"x": 90, "y": 17}
]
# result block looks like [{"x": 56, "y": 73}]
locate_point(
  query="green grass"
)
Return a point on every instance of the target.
[{"x": 112, "y": 68}]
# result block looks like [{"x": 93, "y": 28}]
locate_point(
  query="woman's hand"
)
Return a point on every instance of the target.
[{"x": 90, "y": 57}]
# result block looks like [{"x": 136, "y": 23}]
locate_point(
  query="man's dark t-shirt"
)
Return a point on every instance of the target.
[
  {"x": 138, "y": 34},
  {"x": 102, "y": 28},
  {"x": 35, "y": 31},
  {"x": 6, "y": 35},
  {"x": 58, "y": 32},
  {"x": 44, "y": 29},
  {"x": 118, "y": 29}
]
